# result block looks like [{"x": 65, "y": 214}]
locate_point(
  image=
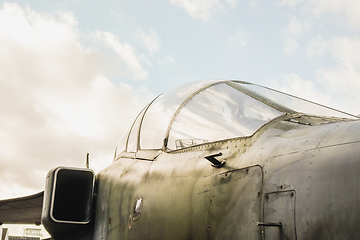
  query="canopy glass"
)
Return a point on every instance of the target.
[{"x": 208, "y": 111}]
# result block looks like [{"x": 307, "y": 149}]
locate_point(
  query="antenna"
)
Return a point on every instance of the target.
[{"x": 87, "y": 160}]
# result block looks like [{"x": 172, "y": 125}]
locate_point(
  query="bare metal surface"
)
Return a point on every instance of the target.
[{"x": 25, "y": 210}]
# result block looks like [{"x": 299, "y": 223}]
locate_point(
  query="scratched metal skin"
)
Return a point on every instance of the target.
[
  {"x": 298, "y": 170},
  {"x": 186, "y": 198}
]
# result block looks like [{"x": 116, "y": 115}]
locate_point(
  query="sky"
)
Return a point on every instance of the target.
[{"x": 74, "y": 74}]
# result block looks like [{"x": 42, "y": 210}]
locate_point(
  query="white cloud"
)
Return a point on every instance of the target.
[
  {"x": 55, "y": 100},
  {"x": 203, "y": 9},
  {"x": 291, "y": 34},
  {"x": 253, "y": 3},
  {"x": 345, "y": 75},
  {"x": 240, "y": 37},
  {"x": 317, "y": 46},
  {"x": 295, "y": 85},
  {"x": 291, "y": 45},
  {"x": 347, "y": 9},
  {"x": 341, "y": 13},
  {"x": 333, "y": 86},
  {"x": 314, "y": 15},
  {"x": 295, "y": 27},
  {"x": 126, "y": 52},
  {"x": 166, "y": 60},
  {"x": 290, "y": 3},
  {"x": 341, "y": 76},
  {"x": 338, "y": 80},
  {"x": 150, "y": 41},
  {"x": 232, "y": 3},
  {"x": 308, "y": 90}
]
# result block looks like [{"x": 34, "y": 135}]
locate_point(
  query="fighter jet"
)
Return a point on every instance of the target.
[{"x": 216, "y": 159}]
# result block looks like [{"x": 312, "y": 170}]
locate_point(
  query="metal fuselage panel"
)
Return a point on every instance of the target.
[
  {"x": 183, "y": 197},
  {"x": 286, "y": 172},
  {"x": 173, "y": 194},
  {"x": 313, "y": 185}
]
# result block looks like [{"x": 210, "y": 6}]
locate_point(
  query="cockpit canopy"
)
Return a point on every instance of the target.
[{"x": 202, "y": 112}]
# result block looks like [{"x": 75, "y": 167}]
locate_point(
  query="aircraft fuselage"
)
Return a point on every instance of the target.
[{"x": 302, "y": 176}]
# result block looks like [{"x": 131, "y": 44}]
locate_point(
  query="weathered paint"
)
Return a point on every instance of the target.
[{"x": 302, "y": 175}]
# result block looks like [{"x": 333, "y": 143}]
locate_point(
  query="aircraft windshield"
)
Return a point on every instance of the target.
[
  {"x": 208, "y": 111},
  {"x": 196, "y": 113},
  {"x": 161, "y": 111},
  {"x": 216, "y": 113}
]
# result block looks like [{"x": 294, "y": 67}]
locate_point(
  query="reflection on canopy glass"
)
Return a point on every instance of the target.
[
  {"x": 297, "y": 104},
  {"x": 208, "y": 111},
  {"x": 216, "y": 113},
  {"x": 160, "y": 113}
]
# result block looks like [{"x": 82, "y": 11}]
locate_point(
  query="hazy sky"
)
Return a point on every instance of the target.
[{"x": 74, "y": 74}]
